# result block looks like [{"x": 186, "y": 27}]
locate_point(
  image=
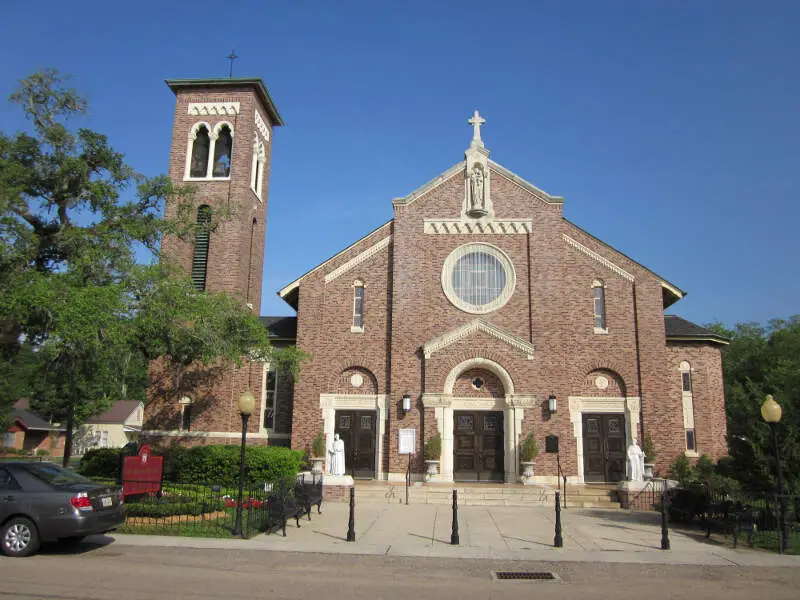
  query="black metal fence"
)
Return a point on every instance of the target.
[
  {"x": 197, "y": 510},
  {"x": 765, "y": 521}
]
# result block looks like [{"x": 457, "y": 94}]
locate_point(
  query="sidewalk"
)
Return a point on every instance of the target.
[{"x": 489, "y": 532}]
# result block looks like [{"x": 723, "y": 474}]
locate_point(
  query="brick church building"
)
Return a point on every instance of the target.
[{"x": 478, "y": 312}]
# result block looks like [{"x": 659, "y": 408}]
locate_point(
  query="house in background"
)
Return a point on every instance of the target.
[
  {"x": 33, "y": 432},
  {"x": 121, "y": 424}
]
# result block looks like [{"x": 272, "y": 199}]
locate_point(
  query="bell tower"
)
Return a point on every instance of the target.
[{"x": 221, "y": 147}]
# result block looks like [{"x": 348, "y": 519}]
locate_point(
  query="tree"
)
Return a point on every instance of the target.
[
  {"x": 759, "y": 361},
  {"x": 73, "y": 302}
]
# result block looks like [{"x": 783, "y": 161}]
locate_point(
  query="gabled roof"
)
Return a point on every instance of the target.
[
  {"x": 679, "y": 329},
  {"x": 289, "y": 293},
  {"x": 29, "y": 420},
  {"x": 671, "y": 292},
  {"x": 117, "y": 414},
  {"x": 280, "y": 328}
]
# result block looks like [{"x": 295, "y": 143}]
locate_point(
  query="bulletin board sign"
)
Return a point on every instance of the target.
[{"x": 406, "y": 441}]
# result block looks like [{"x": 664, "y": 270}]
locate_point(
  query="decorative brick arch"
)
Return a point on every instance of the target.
[
  {"x": 356, "y": 362},
  {"x": 355, "y": 380},
  {"x": 479, "y": 363},
  {"x": 588, "y": 367}
]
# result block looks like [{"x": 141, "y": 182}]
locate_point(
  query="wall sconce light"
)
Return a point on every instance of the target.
[
  {"x": 406, "y": 403},
  {"x": 551, "y": 404}
]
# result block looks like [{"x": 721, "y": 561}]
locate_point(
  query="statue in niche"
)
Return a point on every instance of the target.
[
  {"x": 477, "y": 200},
  {"x": 337, "y": 456},
  {"x": 635, "y": 462}
]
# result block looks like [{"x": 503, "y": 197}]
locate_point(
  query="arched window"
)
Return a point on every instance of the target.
[
  {"x": 599, "y": 299},
  {"x": 358, "y": 306},
  {"x": 202, "y": 235},
  {"x": 223, "y": 146},
  {"x": 201, "y": 144},
  {"x": 257, "y": 170},
  {"x": 688, "y": 406}
]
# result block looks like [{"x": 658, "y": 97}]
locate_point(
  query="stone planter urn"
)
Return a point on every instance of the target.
[
  {"x": 316, "y": 465},
  {"x": 528, "y": 468},
  {"x": 431, "y": 469},
  {"x": 648, "y": 471}
]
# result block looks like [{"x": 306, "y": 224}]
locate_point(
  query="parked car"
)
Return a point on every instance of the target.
[{"x": 41, "y": 502}]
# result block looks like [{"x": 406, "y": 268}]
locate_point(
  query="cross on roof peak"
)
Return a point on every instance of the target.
[{"x": 476, "y": 121}]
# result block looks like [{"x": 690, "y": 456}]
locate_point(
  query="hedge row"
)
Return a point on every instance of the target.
[
  {"x": 149, "y": 509},
  {"x": 206, "y": 465}
]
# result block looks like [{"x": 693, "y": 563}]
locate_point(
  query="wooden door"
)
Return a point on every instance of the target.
[
  {"x": 357, "y": 428},
  {"x": 478, "y": 446},
  {"x": 603, "y": 448}
]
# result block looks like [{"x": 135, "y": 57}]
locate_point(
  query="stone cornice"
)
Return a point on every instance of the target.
[
  {"x": 474, "y": 326},
  {"x": 201, "y": 109},
  {"x": 358, "y": 259},
  {"x": 594, "y": 255},
  {"x": 433, "y": 183},
  {"x": 472, "y": 226},
  {"x": 526, "y": 185}
]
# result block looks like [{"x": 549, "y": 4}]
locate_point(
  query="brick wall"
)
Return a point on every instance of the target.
[{"x": 551, "y": 308}]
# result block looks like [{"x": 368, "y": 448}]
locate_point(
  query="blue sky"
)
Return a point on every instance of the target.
[{"x": 671, "y": 128}]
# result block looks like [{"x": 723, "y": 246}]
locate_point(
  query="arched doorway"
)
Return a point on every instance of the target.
[{"x": 479, "y": 422}]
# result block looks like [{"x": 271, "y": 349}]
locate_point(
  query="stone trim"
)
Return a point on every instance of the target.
[
  {"x": 447, "y": 278},
  {"x": 475, "y": 326},
  {"x": 213, "y": 108},
  {"x": 358, "y": 259},
  {"x": 526, "y": 185},
  {"x": 479, "y": 363},
  {"x": 261, "y": 126},
  {"x": 630, "y": 406},
  {"x": 433, "y": 183},
  {"x": 261, "y": 435},
  {"x": 594, "y": 255},
  {"x": 377, "y": 402},
  {"x": 471, "y": 226}
]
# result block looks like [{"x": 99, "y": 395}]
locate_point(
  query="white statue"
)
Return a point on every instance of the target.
[
  {"x": 336, "y": 462},
  {"x": 476, "y": 181},
  {"x": 635, "y": 462}
]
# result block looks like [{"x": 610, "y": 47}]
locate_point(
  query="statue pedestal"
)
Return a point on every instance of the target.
[
  {"x": 336, "y": 488},
  {"x": 643, "y": 495}
]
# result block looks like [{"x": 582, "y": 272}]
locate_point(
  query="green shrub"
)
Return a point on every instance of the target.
[
  {"x": 170, "y": 509},
  {"x": 649, "y": 449},
  {"x": 100, "y": 462},
  {"x": 530, "y": 449},
  {"x": 318, "y": 446},
  {"x": 433, "y": 447},
  {"x": 704, "y": 468},
  {"x": 220, "y": 464},
  {"x": 681, "y": 469},
  {"x": 42, "y": 452}
]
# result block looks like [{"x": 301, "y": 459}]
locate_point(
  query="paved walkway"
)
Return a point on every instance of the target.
[{"x": 510, "y": 533}]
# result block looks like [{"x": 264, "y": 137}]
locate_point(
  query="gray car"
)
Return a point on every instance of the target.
[{"x": 40, "y": 502}]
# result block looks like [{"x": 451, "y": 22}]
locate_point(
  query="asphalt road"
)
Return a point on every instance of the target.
[{"x": 117, "y": 572}]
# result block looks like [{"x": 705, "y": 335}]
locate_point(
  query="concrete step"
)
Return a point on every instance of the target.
[{"x": 484, "y": 494}]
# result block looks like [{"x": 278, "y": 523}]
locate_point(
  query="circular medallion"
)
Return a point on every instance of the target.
[
  {"x": 601, "y": 381},
  {"x": 478, "y": 383},
  {"x": 356, "y": 379}
]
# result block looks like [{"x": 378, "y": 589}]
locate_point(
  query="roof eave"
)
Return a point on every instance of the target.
[
  {"x": 698, "y": 338},
  {"x": 256, "y": 82}
]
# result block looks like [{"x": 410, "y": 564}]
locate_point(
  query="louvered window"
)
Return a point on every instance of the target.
[{"x": 202, "y": 236}]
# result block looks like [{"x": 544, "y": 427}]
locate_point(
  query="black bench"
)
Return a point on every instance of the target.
[
  {"x": 308, "y": 493},
  {"x": 282, "y": 506},
  {"x": 728, "y": 517}
]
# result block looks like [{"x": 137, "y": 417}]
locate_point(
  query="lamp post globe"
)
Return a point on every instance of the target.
[
  {"x": 247, "y": 403},
  {"x": 771, "y": 413}
]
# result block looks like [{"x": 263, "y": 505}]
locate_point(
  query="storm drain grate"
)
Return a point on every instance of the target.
[{"x": 526, "y": 575}]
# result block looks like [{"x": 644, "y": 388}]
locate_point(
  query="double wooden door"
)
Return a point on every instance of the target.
[
  {"x": 357, "y": 429},
  {"x": 478, "y": 446},
  {"x": 603, "y": 448}
]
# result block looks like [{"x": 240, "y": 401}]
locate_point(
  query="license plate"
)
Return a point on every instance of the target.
[{"x": 106, "y": 502}]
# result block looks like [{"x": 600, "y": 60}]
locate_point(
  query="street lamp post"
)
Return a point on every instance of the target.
[
  {"x": 247, "y": 403},
  {"x": 771, "y": 413}
]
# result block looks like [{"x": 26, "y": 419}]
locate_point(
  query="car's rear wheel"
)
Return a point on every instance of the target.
[{"x": 19, "y": 537}]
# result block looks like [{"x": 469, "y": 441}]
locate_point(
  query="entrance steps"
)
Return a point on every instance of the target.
[{"x": 485, "y": 494}]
